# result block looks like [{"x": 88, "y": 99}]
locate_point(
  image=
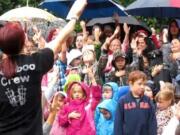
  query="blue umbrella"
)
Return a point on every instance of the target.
[
  {"x": 94, "y": 9},
  {"x": 155, "y": 8}
]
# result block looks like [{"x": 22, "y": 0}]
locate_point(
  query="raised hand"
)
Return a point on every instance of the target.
[
  {"x": 55, "y": 105},
  {"x": 126, "y": 28},
  {"x": 82, "y": 24},
  {"x": 153, "y": 31},
  {"x": 117, "y": 30},
  {"x": 97, "y": 33},
  {"x": 116, "y": 18},
  {"x": 133, "y": 43},
  {"x": 120, "y": 73}
]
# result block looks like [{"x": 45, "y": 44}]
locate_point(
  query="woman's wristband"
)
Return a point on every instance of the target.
[{"x": 74, "y": 18}]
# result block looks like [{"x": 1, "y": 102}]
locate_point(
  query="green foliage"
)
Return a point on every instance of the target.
[
  {"x": 6, "y": 5},
  {"x": 124, "y": 2},
  {"x": 78, "y": 27}
]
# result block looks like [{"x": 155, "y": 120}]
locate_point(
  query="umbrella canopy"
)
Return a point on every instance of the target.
[
  {"x": 31, "y": 16},
  {"x": 26, "y": 14},
  {"x": 94, "y": 9},
  {"x": 106, "y": 20},
  {"x": 155, "y": 8},
  {"x": 130, "y": 20}
]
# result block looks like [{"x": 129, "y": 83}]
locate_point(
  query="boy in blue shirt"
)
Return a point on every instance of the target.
[{"x": 135, "y": 114}]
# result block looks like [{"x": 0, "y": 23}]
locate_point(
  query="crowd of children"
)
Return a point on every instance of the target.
[{"x": 116, "y": 89}]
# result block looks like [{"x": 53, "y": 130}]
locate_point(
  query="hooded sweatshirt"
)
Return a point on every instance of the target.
[
  {"x": 85, "y": 124},
  {"x": 135, "y": 118},
  {"x": 103, "y": 123},
  {"x": 115, "y": 89},
  {"x": 115, "y": 98}
]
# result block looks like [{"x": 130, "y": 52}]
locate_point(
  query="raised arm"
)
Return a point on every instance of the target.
[
  {"x": 110, "y": 39},
  {"x": 125, "y": 43},
  {"x": 55, "y": 45},
  {"x": 84, "y": 31}
]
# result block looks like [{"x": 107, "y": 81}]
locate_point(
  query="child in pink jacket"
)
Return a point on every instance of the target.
[{"x": 78, "y": 114}]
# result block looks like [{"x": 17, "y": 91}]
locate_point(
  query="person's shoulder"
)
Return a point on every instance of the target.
[
  {"x": 45, "y": 52},
  {"x": 146, "y": 98},
  {"x": 149, "y": 101},
  {"x": 125, "y": 97}
]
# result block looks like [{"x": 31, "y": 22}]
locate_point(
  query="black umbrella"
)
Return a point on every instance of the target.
[
  {"x": 130, "y": 20},
  {"x": 106, "y": 20},
  {"x": 155, "y": 8}
]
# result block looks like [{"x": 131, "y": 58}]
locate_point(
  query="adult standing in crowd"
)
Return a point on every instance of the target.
[{"x": 21, "y": 74}]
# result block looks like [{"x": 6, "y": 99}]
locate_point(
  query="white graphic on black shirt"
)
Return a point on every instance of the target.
[{"x": 17, "y": 98}]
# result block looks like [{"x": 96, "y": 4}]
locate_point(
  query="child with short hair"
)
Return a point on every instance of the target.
[
  {"x": 105, "y": 111},
  {"x": 77, "y": 115},
  {"x": 165, "y": 100},
  {"x": 110, "y": 91},
  {"x": 135, "y": 114}
]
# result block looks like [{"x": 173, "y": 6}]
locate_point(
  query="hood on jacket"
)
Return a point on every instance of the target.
[
  {"x": 123, "y": 90},
  {"x": 110, "y": 106},
  {"x": 114, "y": 87},
  {"x": 71, "y": 78},
  {"x": 84, "y": 86}
]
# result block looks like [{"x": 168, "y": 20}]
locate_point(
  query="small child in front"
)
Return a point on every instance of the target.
[
  {"x": 135, "y": 114},
  {"x": 77, "y": 115}
]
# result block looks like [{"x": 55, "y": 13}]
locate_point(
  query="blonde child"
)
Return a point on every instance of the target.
[
  {"x": 77, "y": 115},
  {"x": 164, "y": 100},
  {"x": 172, "y": 127}
]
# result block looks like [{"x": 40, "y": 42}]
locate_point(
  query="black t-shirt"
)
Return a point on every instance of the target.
[{"x": 20, "y": 96}]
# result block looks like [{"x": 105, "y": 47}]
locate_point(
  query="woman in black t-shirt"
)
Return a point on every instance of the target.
[{"x": 20, "y": 77}]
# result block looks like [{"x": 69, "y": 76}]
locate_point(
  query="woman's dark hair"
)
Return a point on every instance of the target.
[
  {"x": 170, "y": 36},
  {"x": 12, "y": 39},
  {"x": 150, "y": 46}
]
